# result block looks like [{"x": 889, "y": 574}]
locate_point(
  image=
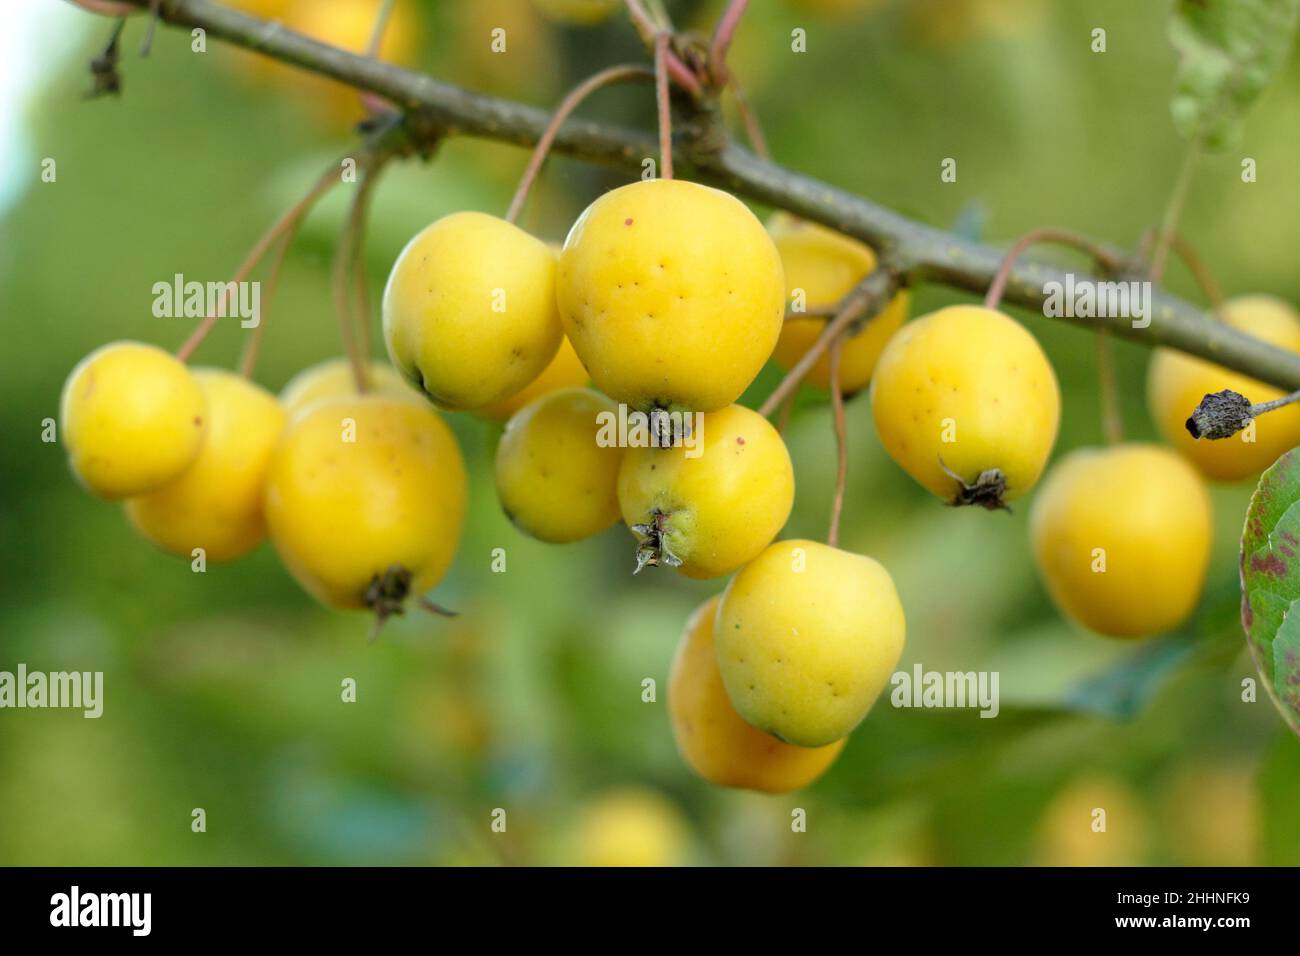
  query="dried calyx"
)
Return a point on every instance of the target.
[
  {"x": 387, "y": 596},
  {"x": 652, "y": 550},
  {"x": 986, "y": 490},
  {"x": 1221, "y": 415}
]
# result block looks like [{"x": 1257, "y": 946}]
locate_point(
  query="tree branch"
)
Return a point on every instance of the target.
[{"x": 922, "y": 252}]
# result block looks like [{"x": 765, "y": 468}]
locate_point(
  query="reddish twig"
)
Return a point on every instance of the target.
[
  {"x": 749, "y": 119},
  {"x": 371, "y": 103},
  {"x": 783, "y": 418},
  {"x": 841, "y": 443},
  {"x": 340, "y": 276},
  {"x": 649, "y": 30},
  {"x": 1173, "y": 211},
  {"x": 665, "y": 107},
  {"x": 357, "y": 225},
  {"x": 859, "y": 305},
  {"x": 248, "y": 361},
  {"x": 575, "y": 97},
  {"x": 1111, "y": 419},
  {"x": 1101, "y": 256},
  {"x": 725, "y": 32},
  {"x": 108, "y": 8},
  {"x": 1195, "y": 265},
  {"x": 287, "y": 221}
]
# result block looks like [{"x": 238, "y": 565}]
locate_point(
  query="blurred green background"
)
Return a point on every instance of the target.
[{"x": 223, "y": 689}]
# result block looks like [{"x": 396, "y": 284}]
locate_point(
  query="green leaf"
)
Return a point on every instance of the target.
[
  {"x": 1270, "y": 581},
  {"x": 1228, "y": 51},
  {"x": 1122, "y": 690}
]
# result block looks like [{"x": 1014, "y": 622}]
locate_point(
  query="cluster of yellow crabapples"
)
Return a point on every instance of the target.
[{"x": 669, "y": 297}]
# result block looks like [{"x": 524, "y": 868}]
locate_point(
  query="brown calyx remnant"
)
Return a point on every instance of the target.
[
  {"x": 387, "y": 596},
  {"x": 652, "y": 550},
  {"x": 986, "y": 490},
  {"x": 1220, "y": 415}
]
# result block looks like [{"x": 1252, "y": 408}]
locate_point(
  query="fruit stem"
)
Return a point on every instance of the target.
[
  {"x": 108, "y": 8},
  {"x": 783, "y": 419},
  {"x": 841, "y": 443},
  {"x": 649, "y": 30},
  {"x": 1103, "y": 257},
  {"x": 724, "y": 33},
  {"x": 1195, "y": 265},
  {"x": 749, "y": 119},
  {"x": 371, "y": 103},
  {"x": 1111, "y": 417},
  {"x": 574, "y": 98},
  {"x": 865, "y": 301},
  {"x": 249, "y": 359},
  {"x": 356, "y": 225},
  {"x": 1173, "y": 210},
  {"x": 665, "y": 106},
  {"x": 288, "y": 221},
  {"x": 340, "y": 274}
]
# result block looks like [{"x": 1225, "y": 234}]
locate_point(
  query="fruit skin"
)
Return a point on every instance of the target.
[
  {"x": 719, "y": 509},
  {"x": 442, "y": 331},
  {"x": 672, "y": 294},
  {"x": 986, "y": 374},
  {"x": 1176, "y": 383},
  {"x": 216, "y": 503},
  {"x": 826, "y": 266},
  {"x": 334, "y": 377},
  {"x": 565, "y": 371},
  {"x": 132, "y": 418},
  {"x": 631, "y": 826},
  {"x": 553, "y": 479},
  {"x": 1150, "y": 512},
  {"x": 805, "y": 653},
  {"x": 341, "y": 513},
  {"x": 714, "y": 739}
]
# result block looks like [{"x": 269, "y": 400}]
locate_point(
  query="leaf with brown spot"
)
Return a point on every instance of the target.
[{"x": 1270, "y": 584}]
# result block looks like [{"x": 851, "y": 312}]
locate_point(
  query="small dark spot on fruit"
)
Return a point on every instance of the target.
[
  {"x": 627, "y": 222},
  {"x": 198, "y": 422},
  {"x": 740, "y": 440}
]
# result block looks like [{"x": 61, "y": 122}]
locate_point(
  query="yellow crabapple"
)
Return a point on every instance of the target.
[
  {"x": 469, "y": 310},
  {"x": 555, "y": 480},
  {"x": 967, "y": 403},
  {"x": 1121, "y": 536},
  {"x": 1177, "y": 382},
  {"x": 216, "y": 503},
  {"x": 565, "y": 371},
  {"x": 335, "y": 377},
  {"x": 672, "y": 295},
  {"x": 821, "y": 267},
  {"x": 807, "y": 636},
  {"x": 132, "y": 418},
  {"x": 713, "y": 738},
  {"x": 710, "y": 504},
  {"x": 365, "y": 500}
]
